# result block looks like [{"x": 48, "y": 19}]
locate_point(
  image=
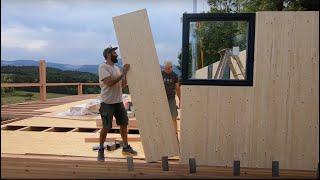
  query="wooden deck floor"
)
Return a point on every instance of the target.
[
  {"x": 34, "y": 122},
  {"x": 26, "y": 110}
]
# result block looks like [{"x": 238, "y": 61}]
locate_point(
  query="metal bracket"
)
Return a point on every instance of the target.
[
  {"x": 275, "y": 168},
  {"x": 130, "y": 163},
  {"x": 192, "y": 165},
  {"x": 165, "y": 165},
  {"x": 318, "y": 171},
  {"x": 236, "y": 168}
]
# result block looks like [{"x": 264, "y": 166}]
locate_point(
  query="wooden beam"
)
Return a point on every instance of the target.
[
  {"x": 62, "y": 84},
  {"x": 10, "y": 121},
  {"x": 90, "y": 84},
  {"x": 49, "y": 130},
  {"x": 91, "y": 140},
  {"x": 25, "y": 128},
  {"x": 4, "y": 85},
  {"x": 75, "y": 130}
]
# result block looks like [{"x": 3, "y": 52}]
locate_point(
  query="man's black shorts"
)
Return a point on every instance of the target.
[{"x": 107, "y": 111}]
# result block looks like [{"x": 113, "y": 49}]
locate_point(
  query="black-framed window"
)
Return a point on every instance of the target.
[{"x": 218, "y": 49}]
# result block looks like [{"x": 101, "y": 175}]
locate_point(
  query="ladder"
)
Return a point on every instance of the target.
[{"x": 225, "y": 61}]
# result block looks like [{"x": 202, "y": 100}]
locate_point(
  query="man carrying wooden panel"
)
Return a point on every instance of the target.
[{"x": 111, "y": 100}]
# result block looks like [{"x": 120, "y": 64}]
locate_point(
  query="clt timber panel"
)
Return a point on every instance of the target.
[
  {"x": 146, "y": 85},
  {"x": 275, "y": 120}
]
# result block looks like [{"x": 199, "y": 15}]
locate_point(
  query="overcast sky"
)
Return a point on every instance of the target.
[{"x": 77, "y": 31}]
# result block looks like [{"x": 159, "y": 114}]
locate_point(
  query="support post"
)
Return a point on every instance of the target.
[
  {"x": 42, "y": 79},
  {"x": 80, "y": 89}
]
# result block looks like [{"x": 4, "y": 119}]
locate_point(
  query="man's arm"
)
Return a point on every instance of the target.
[
  {"x": 110, "y": 82},
  {"x": 178, "y": 90},
  {"x": 124, "y": 81},
  {"x": 126, "y": 68}
]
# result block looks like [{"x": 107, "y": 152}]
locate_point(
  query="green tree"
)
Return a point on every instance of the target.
[
  {"x": 7, "y": 78},
  {"x": 236, "y": 6},
  {"x": 215, "y": 36}
]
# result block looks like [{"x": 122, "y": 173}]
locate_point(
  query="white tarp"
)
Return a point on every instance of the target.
[{"x": 92, "y": 108}]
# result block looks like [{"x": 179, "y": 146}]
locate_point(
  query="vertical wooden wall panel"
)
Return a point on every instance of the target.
[
  {"x": 275, "y": 120},
  {"x": 305, "y": 94},
  {"x": 146, "y": 85}
]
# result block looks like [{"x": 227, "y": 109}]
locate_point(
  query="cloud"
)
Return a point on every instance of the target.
[
  {"x": 167, "y": 51},
  {"x": 22, "y": 37},
  {"x": 76, "y": 32}
]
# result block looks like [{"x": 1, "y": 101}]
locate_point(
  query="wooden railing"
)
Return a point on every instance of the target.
[{"x": 43, "y": 84}]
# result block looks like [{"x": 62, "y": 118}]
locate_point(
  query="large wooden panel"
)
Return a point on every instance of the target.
[
  {"x": 146, "y": 85},
  {"x": 275, "y": 120}
]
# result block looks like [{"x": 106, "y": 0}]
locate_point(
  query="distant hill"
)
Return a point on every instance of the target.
[{"x": 64, "y": 67}]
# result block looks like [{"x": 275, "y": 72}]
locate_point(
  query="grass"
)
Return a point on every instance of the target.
[{"x": 19, "y": 96}]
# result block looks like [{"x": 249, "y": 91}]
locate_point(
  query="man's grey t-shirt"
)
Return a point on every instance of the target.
[
  {"x": 113, "y": 94},
  {"x": 170, "y": 81}
]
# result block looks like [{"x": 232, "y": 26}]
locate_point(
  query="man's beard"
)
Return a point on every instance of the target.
[{"x": 114, "y": 59}]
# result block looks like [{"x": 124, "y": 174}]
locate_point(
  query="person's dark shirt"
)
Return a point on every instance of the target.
[{"x": 170, "y": 81}]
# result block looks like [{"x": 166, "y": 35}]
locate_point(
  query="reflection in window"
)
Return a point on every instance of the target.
[{"x": 218, "y": 50}]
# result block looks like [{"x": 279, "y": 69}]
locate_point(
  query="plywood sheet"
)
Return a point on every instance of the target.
[
  {"x": 54, "y": 122},
  {"x": 57, "y": 143},
  {"x": 275, "y": 120},
  {"x": 146, "y": 85}
]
